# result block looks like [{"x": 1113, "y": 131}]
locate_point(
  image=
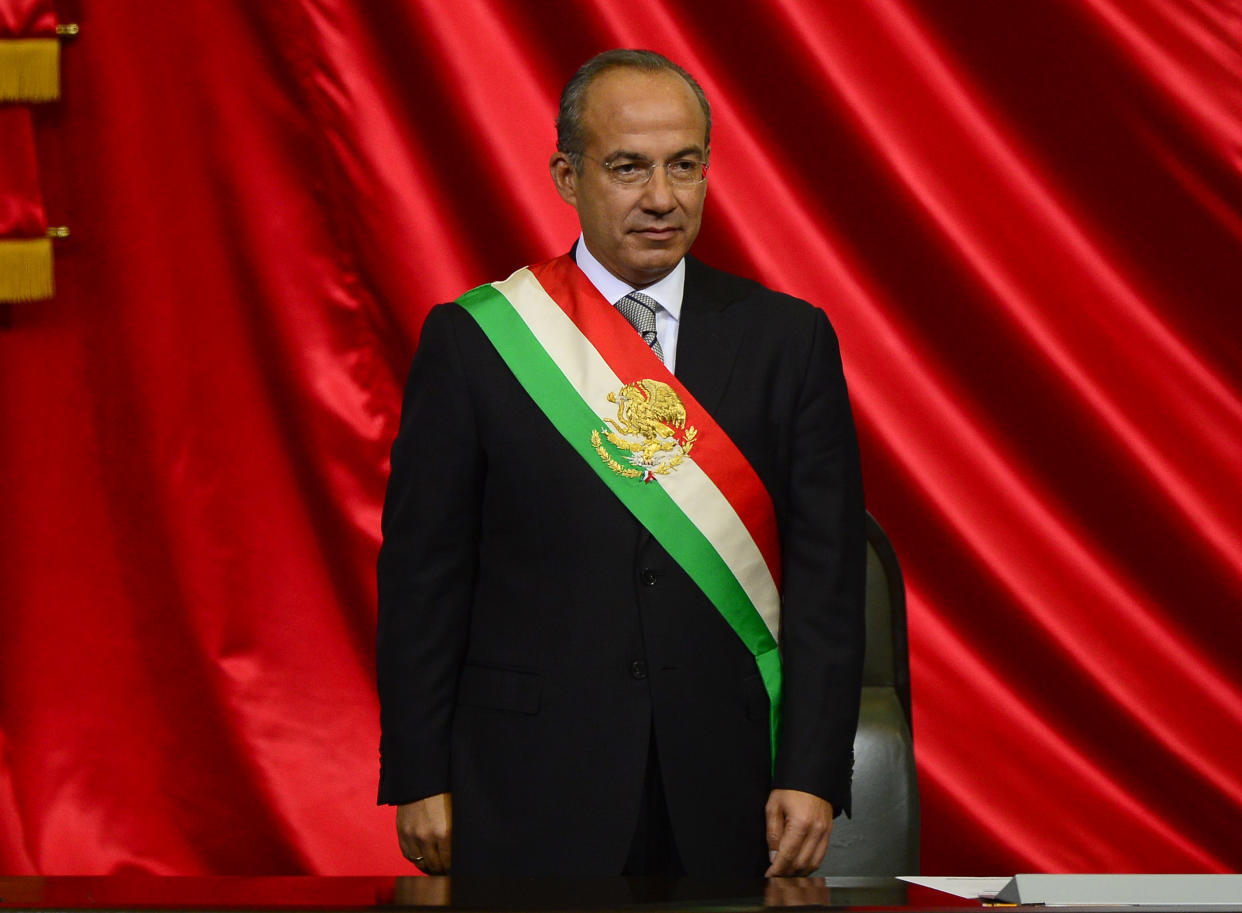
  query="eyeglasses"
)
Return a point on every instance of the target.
[{"x": 683, "y": 172}]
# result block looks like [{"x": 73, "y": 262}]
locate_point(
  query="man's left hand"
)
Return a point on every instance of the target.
[{"x": 799, "y": 825}]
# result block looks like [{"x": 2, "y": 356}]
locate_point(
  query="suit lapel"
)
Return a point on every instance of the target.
[{"x": 707, "y": 343}]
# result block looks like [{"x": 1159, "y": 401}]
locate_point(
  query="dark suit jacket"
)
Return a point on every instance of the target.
[{"x": 532, "y": 635}]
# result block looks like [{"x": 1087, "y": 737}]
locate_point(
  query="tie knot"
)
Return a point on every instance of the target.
[
  {"x": 642, "y": 300},
  {"x": 640, "y": 311}
]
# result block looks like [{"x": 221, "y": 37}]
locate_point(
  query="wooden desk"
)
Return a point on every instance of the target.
[
  {"x": 155, "y": 893},
  {"x": 371, "y": 894}
]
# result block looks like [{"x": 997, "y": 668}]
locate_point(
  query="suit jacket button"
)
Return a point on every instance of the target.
[
  {"x": 649, "y": 577},
  {"x": 638, "y": 669}
]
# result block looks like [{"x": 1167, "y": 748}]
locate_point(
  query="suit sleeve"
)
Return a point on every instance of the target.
[
  {"x": 426, "y": 567},
  {"x": 824, "y": 567}
]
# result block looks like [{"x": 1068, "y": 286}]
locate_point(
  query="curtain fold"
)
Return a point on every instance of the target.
[{"x": 1024, "y": 220}]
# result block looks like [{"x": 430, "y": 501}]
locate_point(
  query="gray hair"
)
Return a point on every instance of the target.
[{"x": 569, "y": 132}]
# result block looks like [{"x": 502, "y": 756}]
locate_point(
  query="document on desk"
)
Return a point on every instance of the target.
[
  {"x": 1199, "y": 892},
  {"x": 1202, "y": 892},
  {"x": 961, "y": 885}
]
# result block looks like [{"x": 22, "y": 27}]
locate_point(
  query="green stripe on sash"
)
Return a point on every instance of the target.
[{"x": 557, "y": 398}]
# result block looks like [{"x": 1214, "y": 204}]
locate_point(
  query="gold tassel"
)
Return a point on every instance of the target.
[
  {"x": 26, "y": 269},
  {"x": 29, "y": 69}
]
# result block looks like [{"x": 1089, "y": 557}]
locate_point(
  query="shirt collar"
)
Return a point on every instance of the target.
[{"x": 668, "y": 291}]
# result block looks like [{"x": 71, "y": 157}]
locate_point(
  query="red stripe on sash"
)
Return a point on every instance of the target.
[{"x": 632, "y": 359}]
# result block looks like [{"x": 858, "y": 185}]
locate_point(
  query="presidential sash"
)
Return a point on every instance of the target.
[{"x": 648, "y": 440}]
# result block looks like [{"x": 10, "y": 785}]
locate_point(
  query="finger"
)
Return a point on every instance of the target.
[
  {"x": 439, "y": 850},
  {"x": 419, "y": 851},
  {"x": 415, "y": 854},
  {"x": 780, "y": 866},
  {"x": 445, "y": 850},
  {"x": 431, "y": 859},
  {"x": 446, "y": 840},
  {"x": 407, "y": 839},
  {"x": 418, "y": 856},
  {"x": 808, "y": 858},
  {"x": 808, "y": 853},
  {"x": 812, "y": 850},
  {"x": 775, "y": 819},
  {"x": 425, "y": 847},
  {"x": 821, "y": 850},
  {"x": 408, "y": 845},
  {"x": 790, "y": 849},
  {"x": 825, "y": 843}
]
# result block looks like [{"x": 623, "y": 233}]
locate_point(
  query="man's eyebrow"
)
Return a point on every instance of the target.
[
  {"x": 626, "y": 154},
  {"x": 640, "y": 157}
]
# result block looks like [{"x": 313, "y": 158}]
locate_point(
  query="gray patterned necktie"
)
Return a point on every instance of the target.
[{"x": 640, "y": 311}]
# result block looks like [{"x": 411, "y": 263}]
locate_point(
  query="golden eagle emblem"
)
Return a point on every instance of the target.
[{"x": 650, "y": 429}]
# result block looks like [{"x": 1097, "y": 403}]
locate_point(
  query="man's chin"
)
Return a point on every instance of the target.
[
  {"x": 651, "y": 271},
  {"x": 654, "y": 262}
]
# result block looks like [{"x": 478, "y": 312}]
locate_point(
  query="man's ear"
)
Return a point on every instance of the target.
[{"x": 565, "y": 177}]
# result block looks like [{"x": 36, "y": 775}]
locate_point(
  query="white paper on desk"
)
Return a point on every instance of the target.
[
  {"x": 960, "y": 885},
  {"x": 1206, "y": 891}
]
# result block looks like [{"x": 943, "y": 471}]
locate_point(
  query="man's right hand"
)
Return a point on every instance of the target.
[{"x": 425, "y": 832}]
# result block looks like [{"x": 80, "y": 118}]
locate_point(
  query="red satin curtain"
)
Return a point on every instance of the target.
[
  {"x": 21, "y": 204},
  {"x": 1024, "y": 219}
]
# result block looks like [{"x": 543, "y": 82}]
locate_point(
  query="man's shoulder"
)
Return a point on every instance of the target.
[
  {"x": 718, "y": 289},
  {"x": 448, "y": 328}
]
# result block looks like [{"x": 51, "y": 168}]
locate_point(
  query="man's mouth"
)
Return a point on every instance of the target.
[{"x": 657, "y": 234}]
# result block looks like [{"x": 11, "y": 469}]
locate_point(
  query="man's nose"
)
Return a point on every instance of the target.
[{"x": 658, "y": 192}]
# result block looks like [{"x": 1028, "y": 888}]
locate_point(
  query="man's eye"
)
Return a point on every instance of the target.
[
  {"x": 625, "y": 168},
  {"x": 683, "y": 166}
]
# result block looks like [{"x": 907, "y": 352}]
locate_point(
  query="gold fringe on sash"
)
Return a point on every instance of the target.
[
  {"x": 29, "y": 69},
  {"x": 26, "y": 269}
]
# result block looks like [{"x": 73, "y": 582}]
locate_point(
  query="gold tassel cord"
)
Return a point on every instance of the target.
[
  {"x": 26, "y": 269},
  {"x": 29, "y": 69}
]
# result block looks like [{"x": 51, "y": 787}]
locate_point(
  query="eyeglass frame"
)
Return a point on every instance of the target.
[{"x": 650, "y": 171}]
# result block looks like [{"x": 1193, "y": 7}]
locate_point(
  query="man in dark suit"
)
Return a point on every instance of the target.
[{"x": 558, "y": 695}]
